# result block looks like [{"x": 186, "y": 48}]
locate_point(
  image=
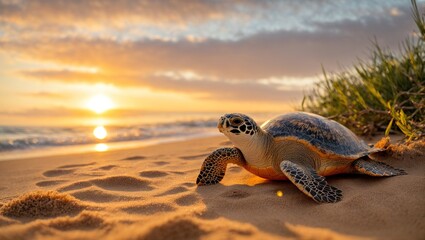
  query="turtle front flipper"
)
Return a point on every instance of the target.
[
  {"x": 376, "y": 169},
  {"x": 214, "y": 166},
  {"x": 310, "y": 183}
]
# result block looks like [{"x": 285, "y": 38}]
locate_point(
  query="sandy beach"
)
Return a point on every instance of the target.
[
  {"x": 108, "y": 110},
  {"x": 150, "y": 193}
]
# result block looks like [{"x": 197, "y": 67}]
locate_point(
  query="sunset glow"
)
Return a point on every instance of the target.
[
  {"x": 59, "y": 58},
  {"x": 100, "y": 104}
]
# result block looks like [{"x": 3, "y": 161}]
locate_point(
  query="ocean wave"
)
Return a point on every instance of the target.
[{"x": 19, "y": 138}]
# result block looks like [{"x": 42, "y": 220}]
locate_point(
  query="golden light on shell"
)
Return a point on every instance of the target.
[
  {"x": 100, "y": 104},
  {"x": 100, "y": 132}
]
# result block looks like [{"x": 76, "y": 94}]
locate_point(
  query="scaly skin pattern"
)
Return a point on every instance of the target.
[
  {"x": 214, "y": 166},
  {"x": 310, "y": 183},
  {"x": 376, "y": 169}
]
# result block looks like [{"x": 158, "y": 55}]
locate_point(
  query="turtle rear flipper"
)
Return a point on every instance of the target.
[
  {"x": 310, "y": 183},
  {"x": 376, "y": 169}
]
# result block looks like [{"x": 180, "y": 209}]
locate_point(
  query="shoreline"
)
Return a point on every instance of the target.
[{"x": 96, "y": 147}]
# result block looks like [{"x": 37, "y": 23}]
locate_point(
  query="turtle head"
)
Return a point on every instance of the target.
[{"x": 237, "y": 126}]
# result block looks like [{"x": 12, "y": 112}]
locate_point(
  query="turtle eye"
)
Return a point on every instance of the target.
[{"x": 236, "y": 121}]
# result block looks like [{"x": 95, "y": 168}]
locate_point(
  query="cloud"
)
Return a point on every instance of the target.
[
  {"x": 48, "y": 112},
  {"x": 244, "y": 68},
  {"x": 282, "y": 53},
  {"x": 203, "y": 87},
  {"x": 172, "y": 19},
  {"x": 153, "y": 18},
  {"x": 51, "y": 11},
  {"x": 71, "y": 76},
  {"x": 44, "y": 94},
  {"x": 238, "y": 91}
]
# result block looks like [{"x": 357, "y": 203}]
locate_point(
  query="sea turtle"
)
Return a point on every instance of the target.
[{"x": 302, "y": 147}]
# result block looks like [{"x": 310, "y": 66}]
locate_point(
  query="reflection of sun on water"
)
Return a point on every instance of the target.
[
  {"x": 100, "y": 132},
  {"x": 101, "y": 147},
  {"x": 100, "y": 104}
]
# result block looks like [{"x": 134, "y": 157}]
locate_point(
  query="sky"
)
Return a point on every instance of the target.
[{"x": 58, "y": 58}]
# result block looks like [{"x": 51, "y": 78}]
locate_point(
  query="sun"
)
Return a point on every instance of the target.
[
  {"x": 100, "y": 132},
  {"x": 100, "y": 104}
]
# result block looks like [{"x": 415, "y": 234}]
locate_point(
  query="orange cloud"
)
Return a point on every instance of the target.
[
  {"x": 202, "y": 88},
  {"x": 194, "y": 20},
  {"x": 297, "y": 54},
  {"x": 48, "y": 112},
  {"x": 179, "y": 55},
  {"x": 69, "y": 76},
  {"x": 44, "y": 94},
  {"x": 237, "y": 67},
  {"x": 226, "y": 69},
  {"x": 98, "y": 12}
]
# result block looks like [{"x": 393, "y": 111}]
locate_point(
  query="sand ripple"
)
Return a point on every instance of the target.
[
  {"x": 135, "y": 158},
  {"x": 175, "y": 229},
  {"x": 58, "y": 172},
  {"x": 107, "y": 167},
  {"x": 153, "y": 174},
  {"x": 123, "y": 183},
  {"x": 84, "y": 221},
  {"x": 174, "y": 190},
  {"x": 187, "y": 200},
  {"x": 114, "y": 183},
  {"x": 149, "y": 209},
  {"x": 77, "y": 165},
  {"x": 195, "y": 157},
  {"x": 4, "y": 221},
  {"x": 94, "y": 195},
  {"x": 75, "y": 186},
  {"x": 50, "y": 183}
]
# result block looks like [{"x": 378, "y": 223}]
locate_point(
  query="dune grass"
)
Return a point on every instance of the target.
[{"x": 383, "y": 94}]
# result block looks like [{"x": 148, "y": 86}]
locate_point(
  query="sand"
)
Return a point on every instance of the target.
[{"x": 150, "y": 193}]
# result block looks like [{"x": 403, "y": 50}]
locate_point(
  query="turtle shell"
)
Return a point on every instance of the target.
[{"x": 326, "y": 135}]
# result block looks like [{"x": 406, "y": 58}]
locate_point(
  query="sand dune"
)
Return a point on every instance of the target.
[{"x": 150, "y": 193}]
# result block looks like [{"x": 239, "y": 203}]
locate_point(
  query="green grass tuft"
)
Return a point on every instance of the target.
[{"x": 384, "y": 94}]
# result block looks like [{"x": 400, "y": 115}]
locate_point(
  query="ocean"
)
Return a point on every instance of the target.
[{"x": 35, "y": 141}]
